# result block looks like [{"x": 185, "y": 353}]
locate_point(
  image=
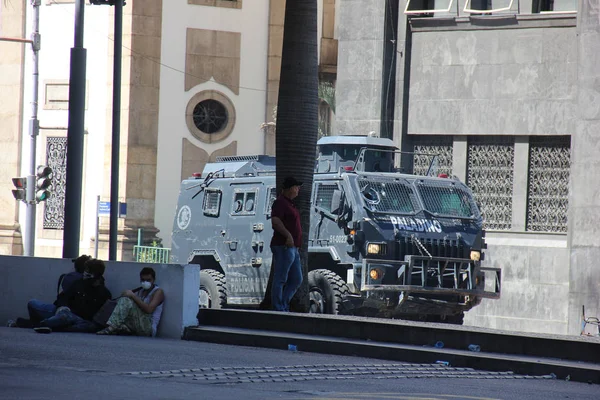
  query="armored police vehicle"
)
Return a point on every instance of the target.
[{"x": 381, "y": 242}]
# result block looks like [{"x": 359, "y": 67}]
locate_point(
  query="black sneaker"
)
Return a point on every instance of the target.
[
  {"x": 42, "y": 329},
  {"x": 24, "y": 323}
]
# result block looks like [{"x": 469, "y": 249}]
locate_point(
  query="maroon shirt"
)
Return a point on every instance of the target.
[{"x": 284, "y": 209}]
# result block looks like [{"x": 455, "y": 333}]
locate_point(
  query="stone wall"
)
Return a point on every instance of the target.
[
  {"x": 584, "y": 212},
  {"x": 142, "y": 24},
  {"x": 12, "y": 24},
  {"x": 517, "y": 78},
  {"x": 535, "y": 285},
  {"x": 360, "y": 55}
]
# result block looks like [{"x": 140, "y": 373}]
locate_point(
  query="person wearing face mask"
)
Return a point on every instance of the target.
[
  {"x": 76, "y": 306},
  {"x": 137, "y": 312}
]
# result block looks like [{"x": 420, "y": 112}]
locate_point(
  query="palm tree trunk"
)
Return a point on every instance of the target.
[{"x": 297, "y": 120}]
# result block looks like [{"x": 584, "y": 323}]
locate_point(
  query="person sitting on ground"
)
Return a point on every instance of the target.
[
  {"x": 77, "y": 305},
  {"x": 137, "y": 312},
  {"x": 67, "y": 280},
  {"x": 39, "y": 310}
]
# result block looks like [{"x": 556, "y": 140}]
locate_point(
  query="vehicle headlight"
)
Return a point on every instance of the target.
[
  {"x": 376, "y": 274},
  {"x": 373, "y": 248},
  {"x": 475, "y": 255}
]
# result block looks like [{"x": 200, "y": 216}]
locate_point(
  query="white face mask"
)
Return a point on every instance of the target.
[{"x": 146, "y": 285}]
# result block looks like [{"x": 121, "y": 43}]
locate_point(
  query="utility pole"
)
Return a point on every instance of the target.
[
  {"x": 34, "y": 130},
  {"x": 75, "y": 138}
]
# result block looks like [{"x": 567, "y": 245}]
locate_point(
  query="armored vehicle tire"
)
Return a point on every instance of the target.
[
  {"x": 326, "y": 291},
  {"x": 212, "y": 293}
]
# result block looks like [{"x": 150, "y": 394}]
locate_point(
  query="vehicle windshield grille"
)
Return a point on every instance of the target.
[
  {"x": 447, "y": 200},
  {"x": 387, "y": 196}
]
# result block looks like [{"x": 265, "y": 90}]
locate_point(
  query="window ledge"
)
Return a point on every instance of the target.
[{"x": 499, "y": 21}]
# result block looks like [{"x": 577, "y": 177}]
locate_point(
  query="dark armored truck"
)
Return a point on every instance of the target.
[{"x": 381, "y": 242}]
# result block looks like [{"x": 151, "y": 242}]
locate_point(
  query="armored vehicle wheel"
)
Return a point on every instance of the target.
[
  {"x": 212, "y": 293},
  {"x": 326, "y": 291}
]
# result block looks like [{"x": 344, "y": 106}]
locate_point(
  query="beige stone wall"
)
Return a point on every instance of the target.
[
  {"x": 212, "y": 54},
  {"x": 142, "y": 21},
  {"x": 276, "y": 20},
  {"x": 329, "y": 45},
  {"x": 327, "y": 63},
  {"x": 217, "y": 3},
  {"x": 12, "y": 22},
  {"x": 195, "y": 158}
]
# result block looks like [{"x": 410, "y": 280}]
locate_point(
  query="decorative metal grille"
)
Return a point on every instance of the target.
[
  {"x": 429, "y": 147},
  {"x": 490, "y": 177},
  {"x": 446, "y": 200},
  {"x": 392, "y": 196},
  {"x": 56, "y": 158},
  {"x": 325, "y": 195},
  {"x": 212, "y": 202},
  {"x": 548, "y": 191}
]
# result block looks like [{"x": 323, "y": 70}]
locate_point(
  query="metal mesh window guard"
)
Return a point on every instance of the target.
[
  {"x": 427, "y": 148},
  {"x": 446, "y": 200},
  {"x": 387, "y": 196},
  {"x": 56, "y": 158},
  {"x": 212, "y": 202},
  {"x": 548, "y": 187},
  {"x": 490, "y": 177},
  {"x": 271, "y": 196},
  {"x": 325, "y": 195}
]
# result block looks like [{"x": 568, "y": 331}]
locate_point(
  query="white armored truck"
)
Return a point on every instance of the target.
[{"x": 381, "y": 242}]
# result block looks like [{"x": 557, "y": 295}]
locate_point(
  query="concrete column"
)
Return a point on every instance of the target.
[
  {"x": 359, "y": 78},
  {"x": 142, "y": 22},
  {"x": 12, "y": 60},
  {"x": 460, "y": 152},
  {"x": 402, "y": 82},
  {"x": 584, "y": 194},
  {"x": 520, "y": 175}
]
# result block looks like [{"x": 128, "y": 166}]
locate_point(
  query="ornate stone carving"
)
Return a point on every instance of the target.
[
  {"x": 490, "y": 177},
  {"x": 56, "y": 158},
  {"x": 548, "y": 188},
  {"x": 440, "y": 146}
]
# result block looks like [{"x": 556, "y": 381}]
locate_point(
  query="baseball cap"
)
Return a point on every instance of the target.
[{"x": 290, "y": 181}]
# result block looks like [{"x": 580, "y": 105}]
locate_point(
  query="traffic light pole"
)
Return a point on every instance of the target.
[
  {"x": 34, "y": 129},
  {"x": 116, "y": 133},
  {"x": 75, "y": 139}
]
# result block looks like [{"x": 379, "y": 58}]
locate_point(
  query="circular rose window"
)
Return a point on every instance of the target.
[{"x": 210, "y": 116}]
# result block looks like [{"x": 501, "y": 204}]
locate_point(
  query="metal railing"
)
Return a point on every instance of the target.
[{"x": 150, "y": 254}]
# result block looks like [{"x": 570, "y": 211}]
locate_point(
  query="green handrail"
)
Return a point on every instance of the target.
[{"x": 151, "y": 254}]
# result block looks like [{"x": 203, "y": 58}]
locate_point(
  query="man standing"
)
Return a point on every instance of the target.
[{"x": 287, "y": 239}]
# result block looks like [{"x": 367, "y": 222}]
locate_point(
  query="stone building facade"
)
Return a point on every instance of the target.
[
  {"x": 506, "y": 93},
  {"x": 199, "y": 79}
]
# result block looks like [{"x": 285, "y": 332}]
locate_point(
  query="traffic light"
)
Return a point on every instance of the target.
[
  {"x": 42, "y": 183},
  {"x": 20, "y": 193}
]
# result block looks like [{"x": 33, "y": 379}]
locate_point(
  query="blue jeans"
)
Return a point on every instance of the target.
[
  {"x": 39, "y": 310},
  {"x": 66, "y": 320},
  {"x": 287, "y": 277}
]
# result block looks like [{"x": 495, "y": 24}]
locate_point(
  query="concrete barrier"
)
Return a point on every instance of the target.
[{"x": 24, "y": 278}]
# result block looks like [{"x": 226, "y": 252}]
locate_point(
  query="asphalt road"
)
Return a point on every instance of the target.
[{"x": 83, "y": 366}]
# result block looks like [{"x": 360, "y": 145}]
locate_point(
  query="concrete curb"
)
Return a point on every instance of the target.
[
  {"x": 563, "y": 347},
  {"x": 523, "y": 365}
]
